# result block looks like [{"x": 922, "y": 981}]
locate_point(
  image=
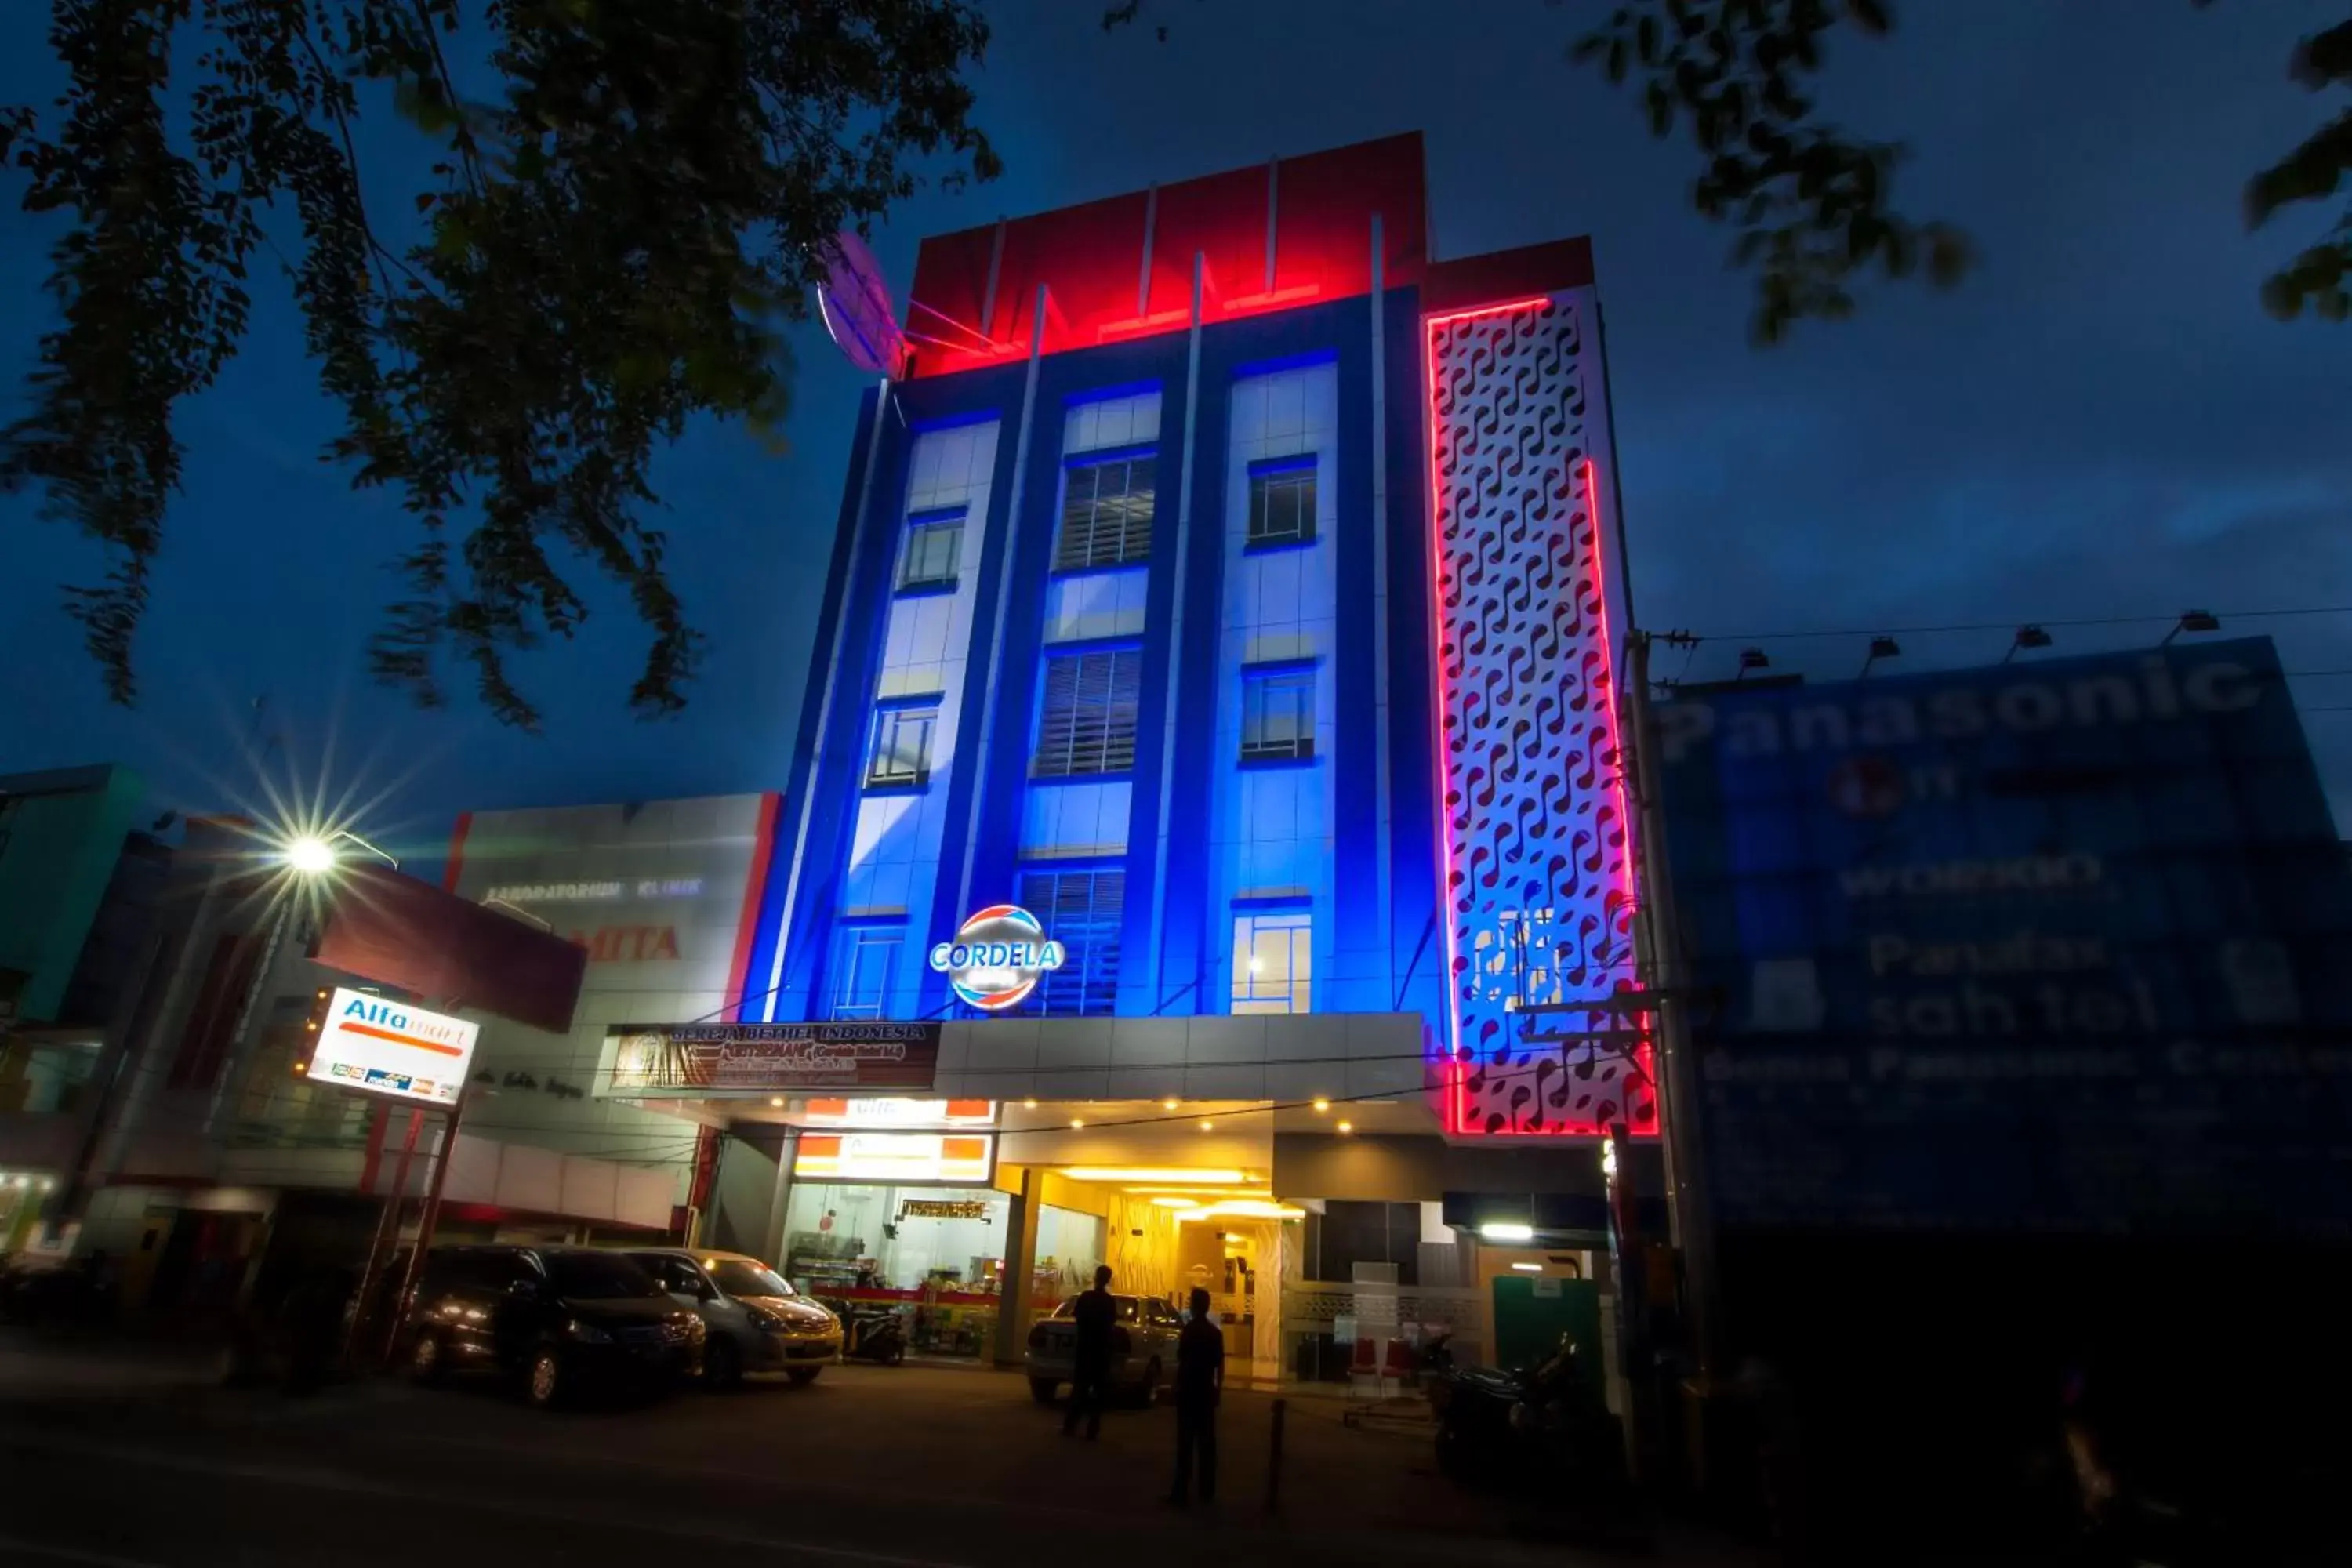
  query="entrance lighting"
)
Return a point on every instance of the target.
[
  {"x": 1162, "y": 1174},
  {"x": 1207, "y": 1125},
  {"x": 1321, "y": 1105},
  {"x": 1244, "y": 1208},
  {"x": 777, "y": 1101},
  {"x": 1347, "y": 1127},
  {"x": 1167, "y": 1105},
  {"x": 1076, "y": 1121},
  {"x": 1028, "y": 1105},
  {"x": 1507, "y": 1230}
]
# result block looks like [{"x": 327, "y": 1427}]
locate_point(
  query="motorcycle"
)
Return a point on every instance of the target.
[
  {"x": 875, "y": 1334},
  {"x": 1539, "y": 1423}
]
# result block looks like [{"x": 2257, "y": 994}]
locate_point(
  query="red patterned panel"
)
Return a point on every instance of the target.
[
  {"x": 1538, "y": 855},
  {"x": 952, "y": 278},
  {"x": 1223, "y": 217},
  {"x": 1323, "y": 217}
]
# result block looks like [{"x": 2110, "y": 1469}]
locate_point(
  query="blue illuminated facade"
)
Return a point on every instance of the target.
[{"x": 1142, "y": 623}]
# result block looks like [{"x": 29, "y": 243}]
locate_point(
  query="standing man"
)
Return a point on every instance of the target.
[
  {"x": 1090, "y": 1357},
  {"x": 1199, "y": 1380}
]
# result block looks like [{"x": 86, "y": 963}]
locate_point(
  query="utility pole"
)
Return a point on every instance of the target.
[{"x": 1689, "y": 1210}]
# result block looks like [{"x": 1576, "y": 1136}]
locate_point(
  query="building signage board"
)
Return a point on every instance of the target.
[
  {"x": 897, "y": 1113},
  {"x": 2063, "y": 947},
  {"x": 386, "y": 1048},
  {"x": 960, "y": 1159},
  {"x": 699, "y": 1060},
  {"x": 998, "y": 956}
]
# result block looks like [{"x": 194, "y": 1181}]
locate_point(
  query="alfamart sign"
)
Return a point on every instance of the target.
[
  {"x": 382, "y": 1047},
  {"x": 998, "y": 956}
]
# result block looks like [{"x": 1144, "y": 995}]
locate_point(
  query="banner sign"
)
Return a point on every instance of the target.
[
  {"x": 2061, "y": 947},
  {"x": 386, "y": 1048},
  {"x": 939, "y": 1158},
  {"x": 696, "y": 1060}
]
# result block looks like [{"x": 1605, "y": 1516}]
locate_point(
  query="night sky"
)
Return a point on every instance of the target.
[{"x": 2101, "y": 422}]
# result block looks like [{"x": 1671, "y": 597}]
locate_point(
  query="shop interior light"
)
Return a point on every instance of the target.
[
  {"x": 1346, "y": 1127},
  {"x": 1528, "y": 1268},
  {"x": 1207, "y": 1125},
  {"x": 1244, "y": 1208},
  {"x": 1029, "y": 1105},
  {"x": 1168, "y": 1105},
  {"x": 1076, "y": 1122},
  {"x": 1173, "y": 1202},
  {"x": 1165, "y": 1176},
  {"x": 1204, "y": 1193},
  {"x": 1507, "y": 1230},
  {"x": 1321, "y": 1105},
  {"x": 777, "y": 1101}
]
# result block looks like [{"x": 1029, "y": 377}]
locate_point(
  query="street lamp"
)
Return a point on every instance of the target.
[
  {"x": 2193, "y": 621},
  {"x": 314, "y": 854},
  {"x": 2027, "y": 637}
]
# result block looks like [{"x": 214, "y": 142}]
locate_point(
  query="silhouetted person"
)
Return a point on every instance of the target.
[
  {"x": 1093, "y": 1314},
  {"x": 1199, "y": 1380}
]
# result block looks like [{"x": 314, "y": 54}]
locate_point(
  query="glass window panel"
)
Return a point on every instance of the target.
[
  {"x": 899, "y": 754},
  {"x": 1083, "y": 911},
  {"x": 864, "y": 957},
  {"x": 1087, "y": 723},
  {"x": 1277, "y": 714},
  {"x": 1273, "y": 961},
  {"x": 932, "y": 549},
  {"x": 1281, "y": 504},
  {"x": 1106, "y": 511}
]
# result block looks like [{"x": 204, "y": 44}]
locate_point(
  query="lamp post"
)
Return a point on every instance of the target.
[{"x": 2193, "y": 621}]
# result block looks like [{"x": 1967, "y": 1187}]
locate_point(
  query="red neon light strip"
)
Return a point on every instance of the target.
[
  {"x": 1454, "y": 1111},
  {"x": 1437, "y": 623}
]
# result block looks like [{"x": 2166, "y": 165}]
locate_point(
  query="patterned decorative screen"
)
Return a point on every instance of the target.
[{"x": 1537, "y": 859}]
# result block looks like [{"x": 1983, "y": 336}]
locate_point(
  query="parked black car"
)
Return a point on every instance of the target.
[{"x": 563, "y": 1318}]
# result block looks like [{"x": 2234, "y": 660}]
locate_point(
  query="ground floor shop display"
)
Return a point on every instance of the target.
[{"x": 936, "y": 1255}]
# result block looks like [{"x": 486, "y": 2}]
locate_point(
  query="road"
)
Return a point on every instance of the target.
[{"x": 893, "y": 1467}]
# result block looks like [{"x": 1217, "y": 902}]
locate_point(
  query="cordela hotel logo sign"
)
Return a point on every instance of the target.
[{"x": 998, "y": 956}]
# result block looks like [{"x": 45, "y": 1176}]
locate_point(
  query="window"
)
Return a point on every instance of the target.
[
  {"x": 1082, "y": 910},
  {"x": 1107, "y": 513},
  {"x": 1281, "y": 501},
  {"x": 931, "y": 550},
  {"x": 1273, "y": 961},
  {"x": 1090, "y": 718},
  {"x": 899, "y": 756},
  {"x": 1277, "y": 714},
  {"x": 863, "y": 957}
]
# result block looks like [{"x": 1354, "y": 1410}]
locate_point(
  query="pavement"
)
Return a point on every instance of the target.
[{"x": 142, "y": 1460}]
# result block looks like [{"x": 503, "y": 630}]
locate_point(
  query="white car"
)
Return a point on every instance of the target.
[
  {"x": 755, "y": 1321},
  {"x": 1142, "y": 1349}
]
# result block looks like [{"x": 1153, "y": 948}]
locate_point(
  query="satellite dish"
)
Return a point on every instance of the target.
[{"x": 855, "y": 304}]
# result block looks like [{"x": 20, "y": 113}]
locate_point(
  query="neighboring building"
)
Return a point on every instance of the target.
[
  {"x": 78, "y": 886},
  {"x": 1219, "y": 611},
  {"x": 220, "y": 1148},
  {"x": 2035, "y": 981},
  {"x": 61, "y": 835}
]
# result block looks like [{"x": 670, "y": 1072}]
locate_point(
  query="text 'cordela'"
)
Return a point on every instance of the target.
[
  {"x": 948, "y": 956},
  {"x": 998, "y": 956}
]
